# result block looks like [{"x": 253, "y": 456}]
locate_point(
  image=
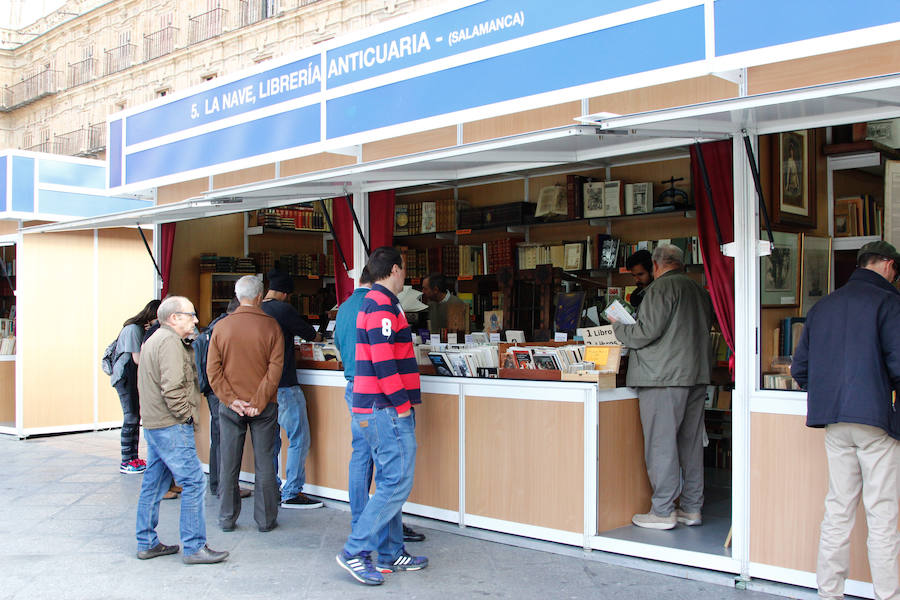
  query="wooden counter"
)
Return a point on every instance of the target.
[{"x": 512, "y": 456}]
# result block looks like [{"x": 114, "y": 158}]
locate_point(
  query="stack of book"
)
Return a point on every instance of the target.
[
  {"x": 453, "y": 360},
  {"x": 8, "y": 346},
  {"x": 500, "y": 254},
  {"x": 245, "y": 265},
  {"x": 208, "y": 262},
  {"x": 568, "y": 359}
]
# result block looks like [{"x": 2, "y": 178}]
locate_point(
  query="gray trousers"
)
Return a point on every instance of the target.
[
  {"x": 232, "y": 433},
  {"x": 672, "y": 420}
]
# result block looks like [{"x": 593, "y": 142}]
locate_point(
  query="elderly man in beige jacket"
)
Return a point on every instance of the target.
[{"x": 167, "y": 383}]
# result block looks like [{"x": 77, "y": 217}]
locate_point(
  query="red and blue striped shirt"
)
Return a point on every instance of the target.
[{"x": 386, "y": 370}]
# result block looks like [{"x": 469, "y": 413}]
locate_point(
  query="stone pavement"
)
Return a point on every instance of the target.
[{"x": 67, "y": 531}]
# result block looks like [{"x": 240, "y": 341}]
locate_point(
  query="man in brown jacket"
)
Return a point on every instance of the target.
[{"x": 243, "y": 366}]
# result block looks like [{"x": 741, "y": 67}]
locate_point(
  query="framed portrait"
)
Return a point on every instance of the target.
[
  {"x": 779, "y": 273},
  {"x": 794, "y": 198},
  {"x": 815, "y": 273}
]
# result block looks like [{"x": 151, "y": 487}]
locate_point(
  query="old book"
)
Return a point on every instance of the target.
[
  {"x": 593, "y": 200},
  {"x": 638, "y": 198},
  {"x": 441, "y": 364},
  {"x": 574, "y": 196},
  {"x": 551, "y": 202},
  {"x": 429, "y": 217},
  {"x": 612, "y": 199},
  {"x": 401, "y": 219}
]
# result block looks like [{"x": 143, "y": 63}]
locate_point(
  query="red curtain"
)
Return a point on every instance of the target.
[
  {"x": 381, "y": 233},
  {"x": 166, "y": 241},
  {"x": 343, "y": 231},
  {"x": 719, "y": 268}
]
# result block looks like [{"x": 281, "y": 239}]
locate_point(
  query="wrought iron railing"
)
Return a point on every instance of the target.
[
  {"x": 45, "y": 146},
  {"x": 31, "y": 89},
  {"x": 159, "y": 43},
  {"x": 82, "y": 71},
  {"x": 96, "y": 141},
  {"x": 119, "y": 58},
  {"x": 207, "y": 25},
  {"x": 70, "y": 144},
  {"x": 254, "y": 11}
]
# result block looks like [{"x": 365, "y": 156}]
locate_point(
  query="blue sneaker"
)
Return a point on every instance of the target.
[
  {"x": 134, "y": 466},
  {"x": 360, "y": 567},
  {"x": 404, "y": 562}
]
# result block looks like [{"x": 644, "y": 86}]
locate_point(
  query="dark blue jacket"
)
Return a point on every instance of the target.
[{"x": 848, "y": 357}]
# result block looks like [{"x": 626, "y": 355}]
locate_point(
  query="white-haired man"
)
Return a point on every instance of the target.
[
  {"x": 670, "y": 364},
  {"x": 167, "y": 383},
  {"x": 243, "y": 365}
]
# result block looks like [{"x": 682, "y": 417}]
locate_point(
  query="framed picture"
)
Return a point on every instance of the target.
[
  {"x": 815, "y": 274},
  {"x": 779, "y": 273},
  {"x": 794, "y": 190}
]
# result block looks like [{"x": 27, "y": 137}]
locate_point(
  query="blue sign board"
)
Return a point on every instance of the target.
[{"x": 484, "y": 53}]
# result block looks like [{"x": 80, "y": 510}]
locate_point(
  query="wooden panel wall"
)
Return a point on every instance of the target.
[
  {"x": 624, "y": 486},
  {"x": 329, "y": 425},
  {"x": 529, "y": 120},
  {"x": 437, "y": 456},
  {"x": 223, "y": 235},
  {"x": 181, "y": 191},
  {"x": 788, "y": 484},
  {"x": 678, "y": 93},
  {"x": 126, "y": 283},
  {"x": 316, "y": 162},
  {"x": 51, "y": 262},
  {"x": 525, "y": 461},
  {"x": 244, "y": 176},
  {"x": 444, "y": 137},
  {"x": 8, "y": 392},
  {"x": 879, "y": 59}
]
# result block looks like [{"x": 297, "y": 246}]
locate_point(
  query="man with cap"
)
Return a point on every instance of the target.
[
  {"x": 291, "y": 402},
  {"x": 848, "y": 360}
]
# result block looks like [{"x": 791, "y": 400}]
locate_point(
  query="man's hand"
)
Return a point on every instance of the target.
[
  {"x": 250, "y": 411},
  {"x": 240, "y": 407},
  {"x": 610, "y": 319},
  {"x": 403, "y": 415}
]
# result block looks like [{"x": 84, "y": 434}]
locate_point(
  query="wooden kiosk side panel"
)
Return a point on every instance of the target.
[
  {"x": 55, "y": 323},
  {"x": 525, "y": 461},
  {"x": 329, "y": 427},
  {"x": 437, "y": 457},
  {"x": 125, "y": 283},
  {"x": 8, "y": 392},
  {"x": 624, "y": 489},
  {"x": 788, "y": 483}
]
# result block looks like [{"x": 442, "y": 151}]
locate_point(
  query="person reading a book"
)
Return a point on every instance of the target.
[
  {"x": 641, "y": 266},
  {"x": 445, "y": 310},
  {"x": 848, "y": 361},
  {"x": 669, "y": 365}
]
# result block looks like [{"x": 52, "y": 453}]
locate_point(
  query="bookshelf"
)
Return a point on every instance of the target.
[{"x": 493, "y": 217}]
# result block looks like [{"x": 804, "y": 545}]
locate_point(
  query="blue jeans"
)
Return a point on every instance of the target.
[
  {"x": 359, "y": 479},
  {"x": 393, "y": 443},
  {"x": 292, "y": 418},
  {"x": 171, "y": 453}
]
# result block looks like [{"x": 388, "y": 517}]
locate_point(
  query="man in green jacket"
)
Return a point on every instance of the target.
[
  {"x": 669, "y": 363},
  {"x": 167, "y": 383}
]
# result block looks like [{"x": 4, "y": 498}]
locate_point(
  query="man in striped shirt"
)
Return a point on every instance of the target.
[{"x": 385, "y": 389}]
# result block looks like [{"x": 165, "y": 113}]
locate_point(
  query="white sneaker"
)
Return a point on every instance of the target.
[
  {"x": 688, "y": 518},
  {"x": 651, "y": 521}
]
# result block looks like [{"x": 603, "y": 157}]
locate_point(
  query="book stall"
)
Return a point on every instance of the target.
[{"x": 531, "y": 206}]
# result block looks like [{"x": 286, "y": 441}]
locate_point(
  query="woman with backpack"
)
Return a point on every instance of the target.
[{"x": 124, "y": 380}]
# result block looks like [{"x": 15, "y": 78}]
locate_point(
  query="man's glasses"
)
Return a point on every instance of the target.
[{"x": 190, "y": 314}]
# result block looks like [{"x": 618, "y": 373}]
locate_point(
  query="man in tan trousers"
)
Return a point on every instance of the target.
[{"x": 848, "y": 360}]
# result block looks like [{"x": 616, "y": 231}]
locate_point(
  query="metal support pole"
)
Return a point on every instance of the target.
[
  {"x": 337, "y": 244},
  {"x": 150, "y": 252},
  {"x": 709, "y": 195},
  {"x": 759, "y": 192}
]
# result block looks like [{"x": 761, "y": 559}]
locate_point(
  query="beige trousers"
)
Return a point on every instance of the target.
[{"x": 861, "y": 460}]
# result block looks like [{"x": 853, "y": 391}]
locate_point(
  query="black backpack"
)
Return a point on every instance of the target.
[
  {"x": 201, "y": 348},
  {"x": 108, "y": 361}
]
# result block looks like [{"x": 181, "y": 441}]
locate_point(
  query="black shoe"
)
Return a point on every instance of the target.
[
  {"x": 158, "y": 550},
  {"x": 411, "y": 535},
  {"x": 226, "y": 527},
  {"x": 269, "y": 528},
  {"x": 301, "y": 500},
  {"x": 204, "y": 556}
]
